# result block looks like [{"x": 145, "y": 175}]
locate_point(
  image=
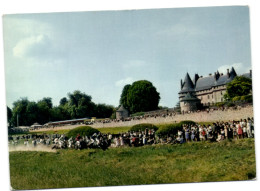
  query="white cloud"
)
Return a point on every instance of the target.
[
  {"x": 30, "y": 45},
  {"x": 239, "y": 68},
  {"x": 123, "y": 82}
]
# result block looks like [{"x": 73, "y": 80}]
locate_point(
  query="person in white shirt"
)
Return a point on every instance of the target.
[{"x": 249, "y": 128}]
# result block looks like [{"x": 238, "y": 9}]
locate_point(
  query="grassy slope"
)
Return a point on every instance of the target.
[{"x": 191, "y": 162}]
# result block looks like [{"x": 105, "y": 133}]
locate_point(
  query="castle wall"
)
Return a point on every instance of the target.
[
  {"x": 204, "y": 116},
  {"x": 188, "y": 106}
]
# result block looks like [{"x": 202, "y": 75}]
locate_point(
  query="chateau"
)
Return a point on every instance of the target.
[{"x": 205, "y": 91}]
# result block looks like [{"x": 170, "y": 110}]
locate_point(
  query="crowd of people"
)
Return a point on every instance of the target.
[{"x": 217, "y": 131}]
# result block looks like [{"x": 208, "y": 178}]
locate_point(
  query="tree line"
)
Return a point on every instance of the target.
[{"x": 76, "y": 105}]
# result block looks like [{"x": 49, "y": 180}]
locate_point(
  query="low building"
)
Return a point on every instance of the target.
[{"x": 121, "y": 113}]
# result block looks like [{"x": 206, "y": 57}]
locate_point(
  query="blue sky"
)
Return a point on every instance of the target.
[{"x": 49, "y": 55}]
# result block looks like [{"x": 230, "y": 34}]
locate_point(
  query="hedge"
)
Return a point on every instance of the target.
[
  {"x": 172, "y": 129},
  {"x": 83, "y": 131},
  {"x": 143, "y": 126}
]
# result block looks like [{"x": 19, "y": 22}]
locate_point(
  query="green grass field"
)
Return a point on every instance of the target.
[{"x": 190, "y": 162}]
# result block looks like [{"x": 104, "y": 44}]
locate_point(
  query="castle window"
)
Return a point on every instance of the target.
[{"x": 208, "y": 96}]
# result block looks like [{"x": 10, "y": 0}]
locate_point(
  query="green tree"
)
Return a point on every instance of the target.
[
  {"x": 141, "y": 96},
  {"x": 103, "y": 110},
  {"x": 9, "y": 116},
  {"x": 44, "y": 110},
  {"x": 20, "y": 112},
  {"x": 32, "y": 112},
  {"x": 240, "y": 86},
  {"x": 123, "y": 97},
  {"x": 80, "y": 105},
  {"x": 63, "y": 101}
]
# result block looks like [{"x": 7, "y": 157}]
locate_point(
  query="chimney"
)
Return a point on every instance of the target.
[
  {"x": 228, "y": 74},
  {"x": 181, "y": 84},
  {"x": 250, "y": 73},
  {"x": 196, "y": 77}
]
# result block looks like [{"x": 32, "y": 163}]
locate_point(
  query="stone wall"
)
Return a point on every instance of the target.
[{"x": 203, "y": 116}]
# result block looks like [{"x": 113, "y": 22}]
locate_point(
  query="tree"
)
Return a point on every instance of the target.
[
  {"x": 80, "y": 105},
  {"x": 20, "y": 112},
  {"x": 240, "y": 86},
  {"x": 9, "y": 116},
  {"x": 63, "y": 101},
  {"x": 103, "y": 110},
  {"x": 141, "y": 96},
  {"x": 44, "y": 110},
  {"x": 123, "y": 98}
]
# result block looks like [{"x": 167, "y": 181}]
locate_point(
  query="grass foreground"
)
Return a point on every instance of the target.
[{"x": 158, "y": 164}]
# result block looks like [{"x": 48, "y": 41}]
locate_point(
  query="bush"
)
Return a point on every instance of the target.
[
  {"x": 83, "y": 131},
  {"x": 143, "y": 126},
  {"x": 230, "y": 104},
  {"x": 169, "y": 129},
  {"x": 248, "y": 98},
  {"x": 172, "y": 129},
  {"x": 237, "y": 98},
  {"x": 187, "y": 122},
  {"x": 220, "y": 104}
]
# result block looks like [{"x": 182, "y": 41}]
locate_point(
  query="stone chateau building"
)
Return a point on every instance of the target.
[{"x": 205, "y": 91}]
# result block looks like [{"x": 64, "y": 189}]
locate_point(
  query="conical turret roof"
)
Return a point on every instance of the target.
[
  {"x": 121, "y": 108},
  {"x": 190, "y": 97},
  {"x": 188, "y": 85}
]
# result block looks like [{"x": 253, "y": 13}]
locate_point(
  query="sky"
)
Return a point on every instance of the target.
[{"x": 52, "y": 54}]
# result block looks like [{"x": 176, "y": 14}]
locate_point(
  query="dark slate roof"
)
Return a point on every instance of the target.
[
  {"x": 247, "y": 75},
  {"x": 190, "y": 97},
  {"x": 205, "y": 83},
  {"x": 209, "y": 81},
  {"x": 187, "y": 85},
  {"x": 222, "y": 80},
  {"x": 121, "y": 108}
]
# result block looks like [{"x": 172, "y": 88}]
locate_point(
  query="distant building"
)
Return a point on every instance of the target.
[
  {"x": 121, "y": 113},
  {"x": 35, "y": 126},
  {"x": 205, "y": 91}
]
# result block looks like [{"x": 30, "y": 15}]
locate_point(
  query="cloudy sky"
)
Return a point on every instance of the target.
[{"x": 49, "y": 55}]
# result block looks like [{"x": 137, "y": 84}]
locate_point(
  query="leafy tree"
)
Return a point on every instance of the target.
[
  {"x": 80, "y": 105},
  {"x": 63, "y": 101},
  {"x": 140, "y": 96},
  {"x": 103, "y": 110},
  {"x": 32, "y": 112},
  {"x": 44, "y": 111},
  {"x": 20, "y": 112},
  {"x": 123, "y": 98},
  {"x": 9, "y": 116},
  {"x": 240, "y": 86}
]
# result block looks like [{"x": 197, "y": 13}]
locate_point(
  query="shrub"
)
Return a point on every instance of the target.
[
  {"x": 248, "y": 98},
  {"x": 220, "y": 104},
  {"x": 187, "y": 122},
  {"x": 169, "y": 129},
  {"x": 230, "y": 104},
  {"x": 172, "y": 129},
  {"x": 237, "y": 98},
  {"x": 83, "y": 131},
  {"x": 143, "y": 126}
]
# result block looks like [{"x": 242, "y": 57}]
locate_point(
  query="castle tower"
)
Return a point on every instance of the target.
[{"x": 188, "y": 99}]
